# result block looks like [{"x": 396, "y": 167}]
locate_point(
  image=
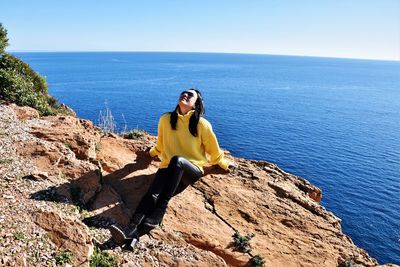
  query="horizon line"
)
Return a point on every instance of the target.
[{"x": 197, "y": 52}]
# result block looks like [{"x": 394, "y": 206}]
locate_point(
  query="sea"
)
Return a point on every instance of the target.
[{"x": 335, "y": 122}]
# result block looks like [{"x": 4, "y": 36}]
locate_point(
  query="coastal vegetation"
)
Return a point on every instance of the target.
[
  {"x": 108, "y": 125},
  {"x": 106, "y": 121},
  {"x": 257, "y": 261},
  {"x": 242, "y": 243},
  {"x": 63, "y": 257},
  {"x": 102, "y": 259},
  {"x": 21, "y": 85},
  {"x": 3, "y": 39}
]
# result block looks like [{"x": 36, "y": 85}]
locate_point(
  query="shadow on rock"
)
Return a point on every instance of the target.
[{"x": 103, "y": 200}]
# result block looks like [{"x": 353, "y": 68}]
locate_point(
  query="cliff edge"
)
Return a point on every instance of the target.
[{"x": 63, "y": 182}]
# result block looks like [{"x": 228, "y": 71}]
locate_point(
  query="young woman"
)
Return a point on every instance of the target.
[{"x": 184, "y": 140}]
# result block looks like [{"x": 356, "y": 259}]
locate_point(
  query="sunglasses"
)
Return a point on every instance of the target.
[{"x": 189, "y": 94}]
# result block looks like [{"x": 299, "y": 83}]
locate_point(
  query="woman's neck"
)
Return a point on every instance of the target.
[{"x": 184, "y": 110}]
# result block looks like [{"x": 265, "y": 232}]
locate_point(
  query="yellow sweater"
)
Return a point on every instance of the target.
[{"x": 181, "y": 142}]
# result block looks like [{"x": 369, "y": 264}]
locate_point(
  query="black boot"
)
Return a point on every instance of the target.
[
  {"x": 131, "y": 243},
  {"x": 155, "y": 218},
  {"x": 120, "y": 237}
]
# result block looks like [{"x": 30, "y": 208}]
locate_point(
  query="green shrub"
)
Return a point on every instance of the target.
[
  {"x": 102, "y": 259},
  {"x": 19, "y": 235},
  {"x": 19, "y": 84},
  {"x": 63, "y": 257},
  {"x": 134, "y": 134},
  {"x": 242, "y": 243},
  {"x": 3, "y": 39},
  {"x": 257, "y": 261},
  {"x": 12, "y": 63},
  {"x": 5, "y": 161}
]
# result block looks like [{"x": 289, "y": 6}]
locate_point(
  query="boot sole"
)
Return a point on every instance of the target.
[
  {"x": 117, "y": 235},
  {"x": 130, "y": 244},
  {"x": 150, "y": 225}
]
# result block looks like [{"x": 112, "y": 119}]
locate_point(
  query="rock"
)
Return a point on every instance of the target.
[
  {"x": 67, "y": 110},
  {"x": 108, "y": 204},
  {"x": 20, "y": 261},
  {"x": 67, "y": 234},
  {"x": 80, "y": 136},
  {"x": 5, "y": 261},
  {"x": 283, "y": 211},
  {"x": 25, "y": 113},
  {"x": 88, "y": 184},
  {"x": 115, "y": 153}
]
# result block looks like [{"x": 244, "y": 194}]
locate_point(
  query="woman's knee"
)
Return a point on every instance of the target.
[
  {"x": 181, "y": 163},
  {"x": 176, "y": 161}
]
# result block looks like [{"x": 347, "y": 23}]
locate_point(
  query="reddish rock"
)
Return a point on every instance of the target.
[
  {"x": 25, "y": 113},
  {"x": 114, "y": 152},
  {"x": 78, "y": 135},
  {"x": 108, "y": 204},
  {"x": 66, "y": 109},
  {"x": 283, "y": 211},
  {"x": 89, "y": 184},
  {"x": 67, "y": 234}
]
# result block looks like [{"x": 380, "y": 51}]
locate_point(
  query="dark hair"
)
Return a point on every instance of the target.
[{"x": 199, "y": 111}]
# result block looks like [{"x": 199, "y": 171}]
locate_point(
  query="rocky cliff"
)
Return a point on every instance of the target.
[{"x": 63, "y": 182}]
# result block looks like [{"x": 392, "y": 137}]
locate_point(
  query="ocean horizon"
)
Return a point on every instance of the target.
[
  {"x": 16, "y": 52},
  {"x": 333, "y": 121}
]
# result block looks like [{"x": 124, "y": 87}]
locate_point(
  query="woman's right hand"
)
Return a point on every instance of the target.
[{"x": 147, "y": 152}]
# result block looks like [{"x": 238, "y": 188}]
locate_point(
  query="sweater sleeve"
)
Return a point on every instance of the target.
[
  {"x": 212, "y": 148},
  {"x": 157, "y": 149}
]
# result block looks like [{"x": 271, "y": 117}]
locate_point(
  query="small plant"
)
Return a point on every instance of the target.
[
  {"x": 36, "y": 255},
  {"x": 242, "y": 243},
  {"x": 106, "y": 120},
  {"x": 5, "y": 161},
  {"x": 102, "y": 259},
  {"x": 19, "y": 235},
  {"x": 348, "y": 262},
  {"x": 125, "y": 124},
  {"x": 257, "y": 261},
  {"x": 69, "y": 146},
  {"x": 84, "y": 213},
  {"x": 97, "y": 147},
  {"x": 62, "y": 175},
  {"x": 44, "y": 238},
  {"x": 134, "y": 134},
  {"x": 63, "y": 257}
]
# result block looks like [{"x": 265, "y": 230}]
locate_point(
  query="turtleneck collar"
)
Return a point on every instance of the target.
[{"x": 186, "y": 116}]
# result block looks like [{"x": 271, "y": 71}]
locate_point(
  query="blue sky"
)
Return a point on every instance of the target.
[{"x": 341, "y": 28}]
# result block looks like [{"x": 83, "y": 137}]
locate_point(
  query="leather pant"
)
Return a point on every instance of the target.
[{"x": 167, "y": 183}]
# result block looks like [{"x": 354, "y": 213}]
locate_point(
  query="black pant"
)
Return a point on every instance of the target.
[{"x": 168, "y": 183}]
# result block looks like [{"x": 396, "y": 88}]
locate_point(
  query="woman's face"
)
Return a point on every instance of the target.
[{"x": 187, "y": 100}]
